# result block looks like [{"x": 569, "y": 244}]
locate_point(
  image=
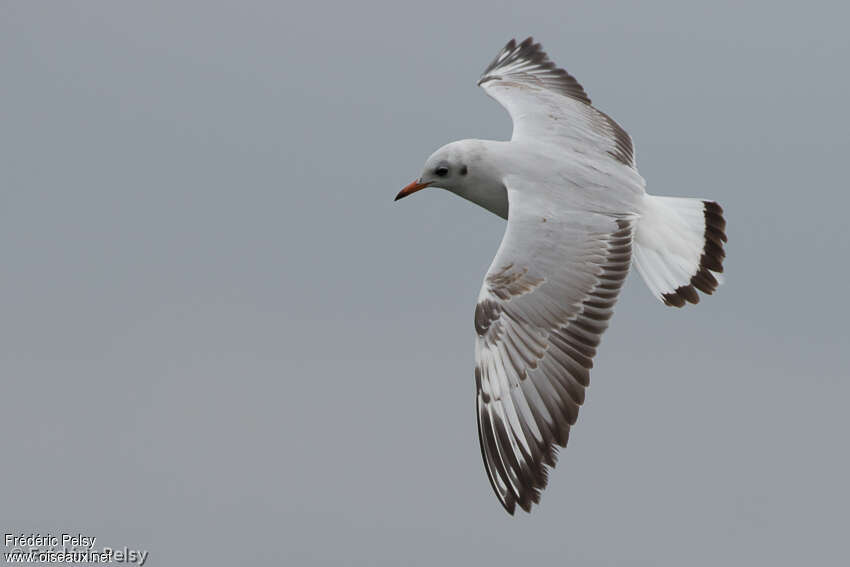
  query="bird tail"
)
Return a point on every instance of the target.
[{"x": 678, "y": 248}]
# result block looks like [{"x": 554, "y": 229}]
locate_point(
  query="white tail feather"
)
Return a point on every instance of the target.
[{"x": 678, "y": 247}]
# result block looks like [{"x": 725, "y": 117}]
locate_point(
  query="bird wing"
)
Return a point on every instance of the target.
[
  {"x": 547, "y": 104},
  {"x": 545, "y": 301}
]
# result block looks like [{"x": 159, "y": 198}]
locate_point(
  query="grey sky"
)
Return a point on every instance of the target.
[{"x": 222, "y": 341}]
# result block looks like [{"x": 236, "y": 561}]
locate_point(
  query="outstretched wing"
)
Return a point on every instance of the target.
[
  {"x": 545, "y": 302},
  {"x": 546, "y": 103}
]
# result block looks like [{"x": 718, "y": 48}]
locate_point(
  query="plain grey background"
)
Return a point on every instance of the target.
[{"x": 222, "y": 342}]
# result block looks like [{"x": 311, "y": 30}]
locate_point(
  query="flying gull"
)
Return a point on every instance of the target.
[{"x": 578, "y": 215}]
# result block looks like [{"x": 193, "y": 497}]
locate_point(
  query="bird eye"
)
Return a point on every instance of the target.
[{"x": 442, "y": 171}]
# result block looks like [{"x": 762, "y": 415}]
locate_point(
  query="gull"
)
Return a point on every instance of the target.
[{"x": 578, "y": 215}]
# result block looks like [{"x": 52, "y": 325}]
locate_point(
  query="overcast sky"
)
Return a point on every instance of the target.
[{"x": 222, "y": 342}]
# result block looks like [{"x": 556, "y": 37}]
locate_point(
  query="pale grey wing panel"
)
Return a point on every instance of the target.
[
  {"x": 548, "y": 104},
  {"x": 545, "y": 302}
]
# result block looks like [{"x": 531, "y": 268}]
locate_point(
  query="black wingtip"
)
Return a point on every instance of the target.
[{"x": 537, "y": 63}]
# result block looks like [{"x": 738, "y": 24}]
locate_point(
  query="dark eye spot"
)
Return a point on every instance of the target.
[
  {"x": 442, "y": 171},
  {"x": 463, "y": 170}
]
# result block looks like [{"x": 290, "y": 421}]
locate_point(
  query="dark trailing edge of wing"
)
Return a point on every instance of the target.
[{"x": 625, "y": 150}]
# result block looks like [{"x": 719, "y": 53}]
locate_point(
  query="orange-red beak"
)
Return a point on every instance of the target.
[{"x": 411, "y": 189}]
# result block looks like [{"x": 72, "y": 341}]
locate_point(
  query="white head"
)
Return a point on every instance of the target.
[{"x": 462, "y": 168}]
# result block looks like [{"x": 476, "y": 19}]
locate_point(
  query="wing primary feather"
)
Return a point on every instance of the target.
[{"x": 528, "y": 61}]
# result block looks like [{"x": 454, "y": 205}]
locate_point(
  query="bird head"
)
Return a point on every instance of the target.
[{"x": 448, "y": 168}]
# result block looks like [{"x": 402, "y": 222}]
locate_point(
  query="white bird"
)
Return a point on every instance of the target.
[{"x": 578, "y": 214}]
